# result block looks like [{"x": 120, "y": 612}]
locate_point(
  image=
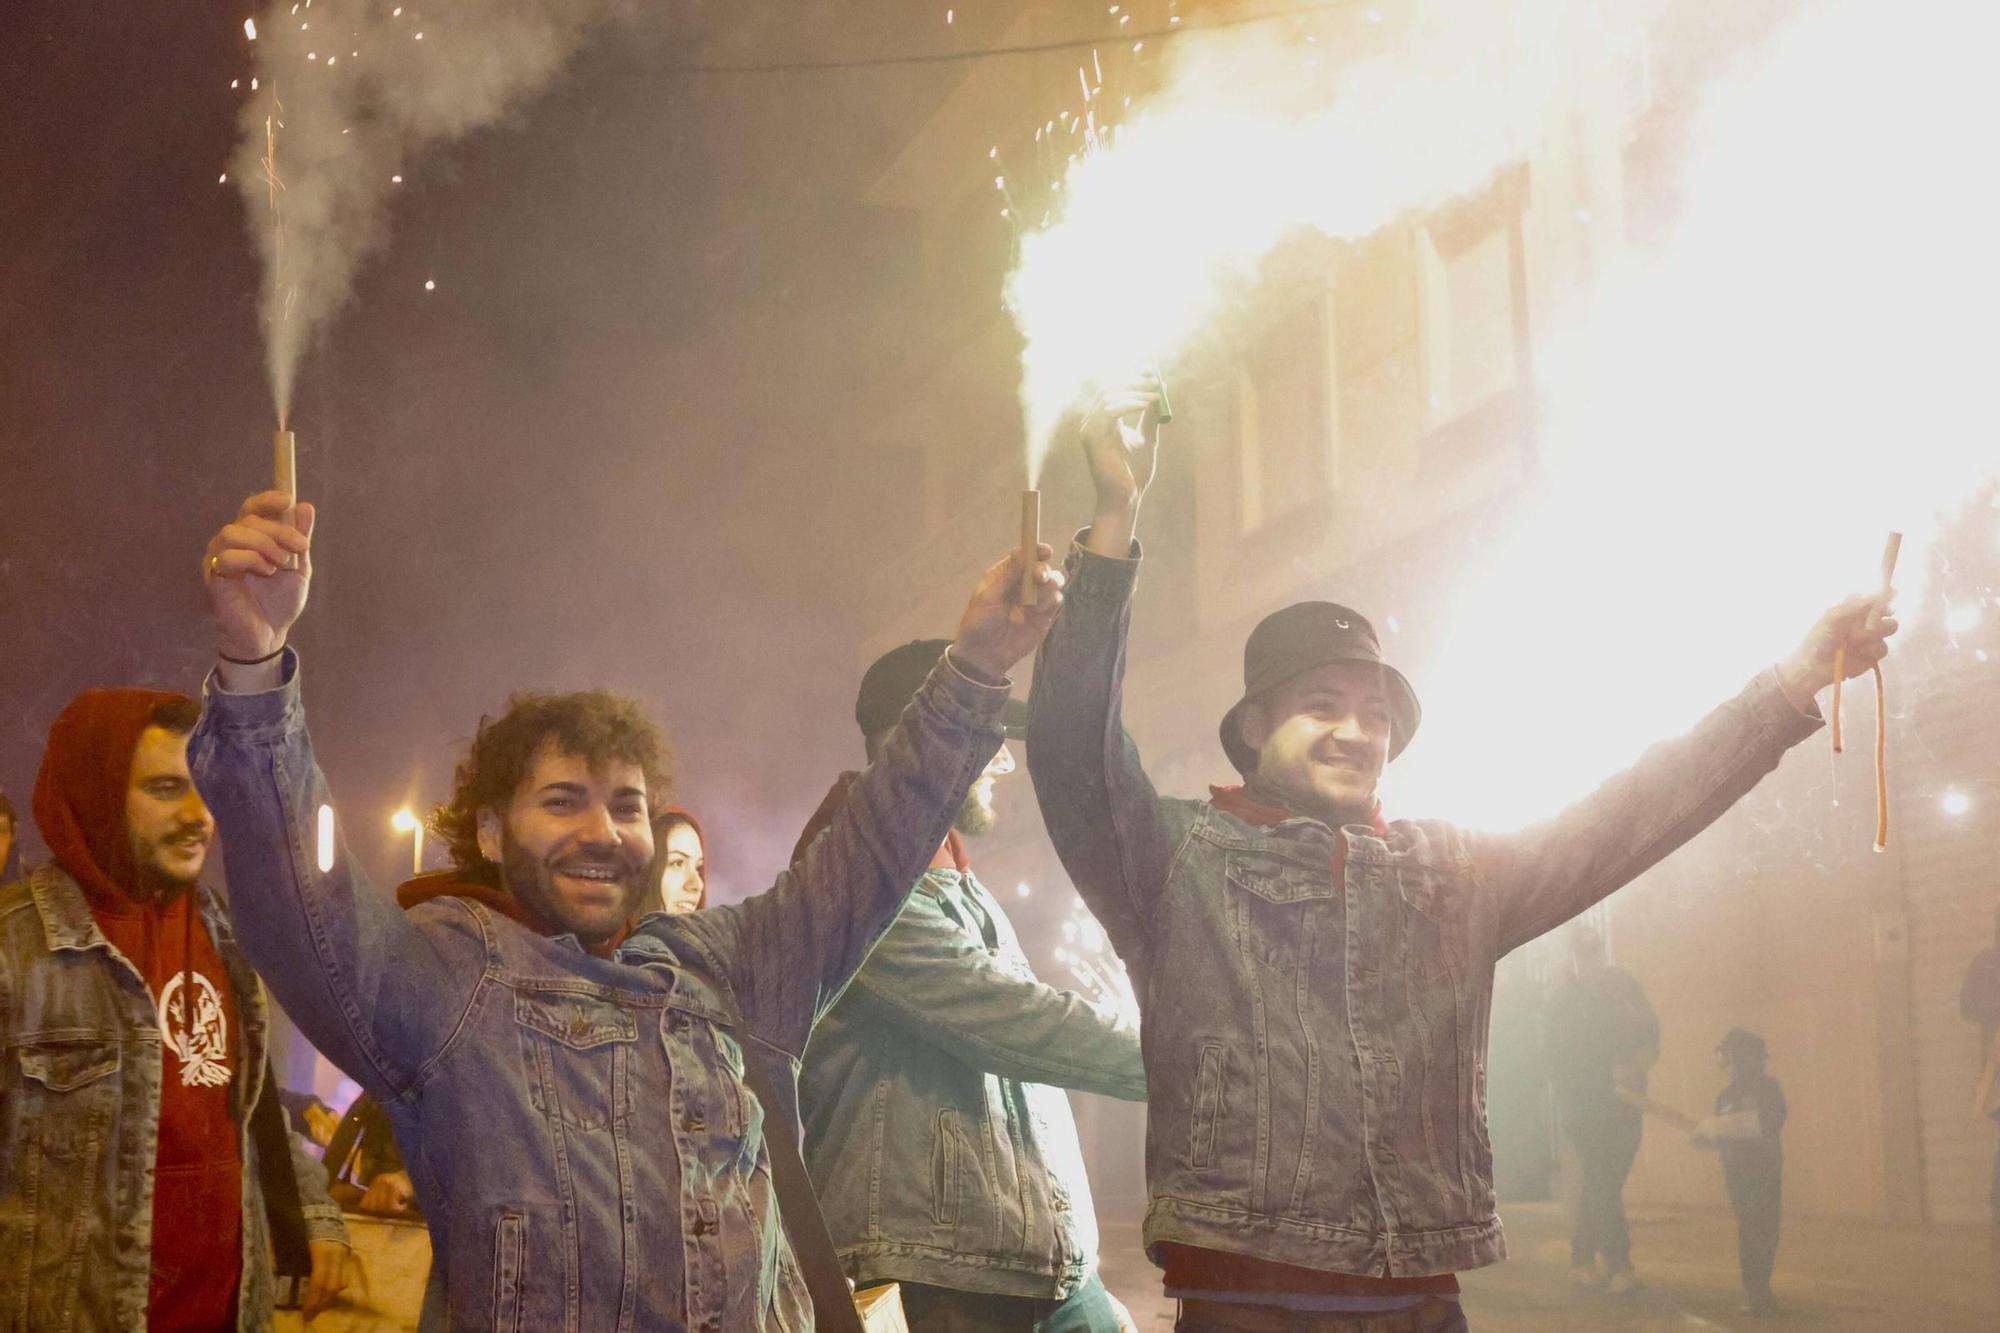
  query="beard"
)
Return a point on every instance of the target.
[
  {"x": 976, "y": 815},
  {"x": 153, "y": 882},
  {"x": 531, "y": 881}
]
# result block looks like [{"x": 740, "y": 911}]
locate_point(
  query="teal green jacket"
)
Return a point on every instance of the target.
[{"x": 937, "y": 1131}]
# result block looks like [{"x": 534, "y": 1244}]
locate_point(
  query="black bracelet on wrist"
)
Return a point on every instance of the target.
[{"x": 252, "y": 661}]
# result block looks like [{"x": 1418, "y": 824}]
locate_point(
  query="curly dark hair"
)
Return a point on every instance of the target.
[{"x": 597, "y": 725}]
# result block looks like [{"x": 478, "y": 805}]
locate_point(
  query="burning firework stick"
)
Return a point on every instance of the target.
[
  {"x": 285, "y": 478},
  {"x": 1031, "y": 544}
]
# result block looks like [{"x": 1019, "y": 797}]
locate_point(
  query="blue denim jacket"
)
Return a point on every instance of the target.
[
  {"x": 80, "y": 1063},
  {"x": 1316, "y": 1050},
  {"x": 936, "y": 1130},
  {"x": 578, "y": 1129}
]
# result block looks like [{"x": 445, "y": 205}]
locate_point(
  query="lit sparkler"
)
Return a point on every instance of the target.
[
  {"x": 1135, "y": 263},
  {"x": 1099, "y": 974}
]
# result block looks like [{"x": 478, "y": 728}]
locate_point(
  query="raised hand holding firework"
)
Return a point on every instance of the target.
[
  {"x": 258, "y": 570},
  {"x": 1123, "y": 458},
  {"x": 1850, "y": 639}
]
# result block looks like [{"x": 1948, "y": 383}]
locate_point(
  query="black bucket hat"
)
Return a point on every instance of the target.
[
  {"x": 1298, "y": 638},
  {"x": 896, "y": 676}
]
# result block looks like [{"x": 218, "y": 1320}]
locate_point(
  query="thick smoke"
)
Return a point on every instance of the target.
[
  {"x": 1337, "y": 124},
  {"x": 350, "y": 91},
  {"x": 1731, "y": 431}
]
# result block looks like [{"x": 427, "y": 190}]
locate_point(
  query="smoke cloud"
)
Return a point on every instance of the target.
[
  {"x": 349, "y": 92},
  {"x": 1734, "y": 428},
  {"x": 1337, "y": 124}
]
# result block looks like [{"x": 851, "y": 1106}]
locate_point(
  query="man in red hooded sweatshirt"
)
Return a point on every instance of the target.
[{"x": 130, "y": 1194}]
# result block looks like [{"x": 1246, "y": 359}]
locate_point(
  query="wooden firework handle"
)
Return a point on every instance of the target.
[
  {"x": 1890, "y": 550},
  {"x": 1881, "y": 761},
  {"x": 1639, "y": 1101},
  {"x": 1031, "y": 542},
  {"x": 285, "y": 477}
]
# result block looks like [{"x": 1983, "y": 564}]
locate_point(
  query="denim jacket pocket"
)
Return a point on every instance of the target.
[
  {"x": 1274, "y": 903},
  {"x": 944, "y": 1170},
  {"x": 68, "y": 1099},
  {"x": 576, "y": 1047},
  {"x": 510, "y": 1245},
  {"x": 1207, "y": 1109},
  {"x": 1432, "y": 948},
  {"x": 66, "y": 1066}
]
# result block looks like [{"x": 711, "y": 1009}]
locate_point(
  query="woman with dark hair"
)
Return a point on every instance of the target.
[{"x": 680, "y": 864}]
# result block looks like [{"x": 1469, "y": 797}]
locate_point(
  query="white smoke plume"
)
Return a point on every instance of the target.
[
  {"x": 350, "y": 92},
  {"x": 1339, "y": 124},
  {"x": 1805, "y": 364}
]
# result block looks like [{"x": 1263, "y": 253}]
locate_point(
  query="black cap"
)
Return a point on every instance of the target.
[
  {"x": 1298, "y": 638},
  {"x": 1742, "y": 1044},
  {"x": 889, "y": 684}
]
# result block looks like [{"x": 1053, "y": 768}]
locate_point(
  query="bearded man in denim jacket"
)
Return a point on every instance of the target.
[
  {"x": 571, "y": 1099},
  {"x": 936, "y": 1126},
  {"x": 1315, "y": 981}
]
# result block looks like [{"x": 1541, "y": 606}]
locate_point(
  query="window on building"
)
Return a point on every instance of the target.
[
  {"x": 1288, "y": 424},
  {"x": 1467, "y": 291}
]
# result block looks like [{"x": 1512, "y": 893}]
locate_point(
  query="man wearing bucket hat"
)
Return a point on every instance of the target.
[
  {"x": 1315, "y": 980},
  {"x": 936, "y": 1127}
]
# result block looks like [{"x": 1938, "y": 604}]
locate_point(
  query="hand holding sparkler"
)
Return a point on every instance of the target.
[
  {"x": 998, "y": 629},
  {"x": 1850, "y": 639},
  {"x": 1123, "y": 458},
  {"x": 253, "y": 597},
  {"x": 1854, "y": 634}
]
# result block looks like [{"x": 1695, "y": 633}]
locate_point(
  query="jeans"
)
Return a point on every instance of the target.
[
  {"x": 1754, "y": 1195},
  {"x": 1605, "y": 1148},
  {"x": 1994, "y": 1191},
  {"x": 942, "y": 1310}
]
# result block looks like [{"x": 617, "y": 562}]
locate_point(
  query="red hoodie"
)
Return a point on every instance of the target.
[{"x": 197, "y": 1256}]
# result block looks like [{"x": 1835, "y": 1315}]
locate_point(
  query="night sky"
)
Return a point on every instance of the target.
[{"x": 617, "y": 444}]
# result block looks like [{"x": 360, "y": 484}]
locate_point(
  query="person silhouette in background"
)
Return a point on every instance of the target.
[{"x": 1749, "y": 1115}]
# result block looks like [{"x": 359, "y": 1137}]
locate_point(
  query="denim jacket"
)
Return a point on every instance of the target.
[
  {"x": 937, "y": 1133},
  {"x": 1316, "y": 1050},
  {"x": 80, "y": 1069},
  {"x": 578, "y": 1129}
]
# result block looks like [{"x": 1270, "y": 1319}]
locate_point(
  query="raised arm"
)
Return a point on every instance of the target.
[
  {"x": 1114, "y": 834},
  {"x": 790, "y": 952},
  {"x": 365, "y": 985},
  {"x": 1537, "y": 879},
  {"x": 927, "y": 981}
]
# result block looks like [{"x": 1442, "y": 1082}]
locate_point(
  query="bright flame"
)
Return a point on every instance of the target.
[
  {"x": 1253, "y": 136},
  {"x": 1743, "y": 417},
  {"x": 1955, "y": 802},
  {"x": 325, "y": 838},
  {"x": 403, "y": 821}
]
